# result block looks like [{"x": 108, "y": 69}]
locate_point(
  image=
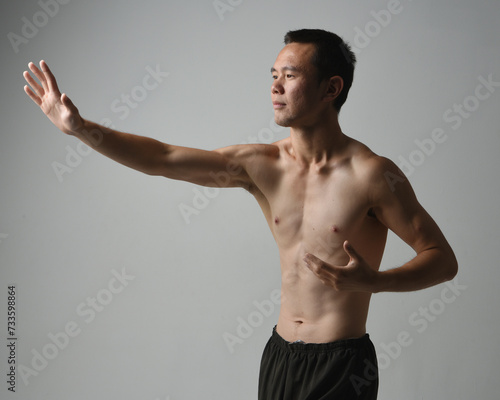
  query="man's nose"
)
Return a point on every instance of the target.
[{"x": 277, "y": 87}]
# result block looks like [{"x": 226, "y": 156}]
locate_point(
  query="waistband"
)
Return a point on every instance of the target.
[{"x": 355, "y": 343}]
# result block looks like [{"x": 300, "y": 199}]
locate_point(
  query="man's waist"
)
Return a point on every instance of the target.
[{"x": 327, "y": 329}]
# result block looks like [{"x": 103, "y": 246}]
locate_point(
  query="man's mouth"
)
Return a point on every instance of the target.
[{"x": 278, "y": 105}]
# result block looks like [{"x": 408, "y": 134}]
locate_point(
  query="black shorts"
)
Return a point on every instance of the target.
[{"x": 344, "y": 369}]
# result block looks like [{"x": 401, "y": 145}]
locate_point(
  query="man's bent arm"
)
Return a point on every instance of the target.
[
  {"x": 428, "y": 268},
  {"x": 398, "y": 209}
]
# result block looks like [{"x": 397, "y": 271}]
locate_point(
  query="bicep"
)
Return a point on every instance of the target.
[
  {"x": 397, "y": 207},
  {"x": 216, "y": 168}
]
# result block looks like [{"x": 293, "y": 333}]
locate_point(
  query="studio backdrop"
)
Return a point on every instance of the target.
[{"x": 119, "y": 285}]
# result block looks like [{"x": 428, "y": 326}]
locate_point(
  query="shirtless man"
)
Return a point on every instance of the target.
[{"x": 328, "y": 200}]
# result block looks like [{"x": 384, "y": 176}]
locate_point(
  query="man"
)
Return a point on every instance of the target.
[{"x": 329, "y": 202}]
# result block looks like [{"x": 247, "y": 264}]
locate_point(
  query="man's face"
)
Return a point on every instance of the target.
[{"x": 295, "y": 92}]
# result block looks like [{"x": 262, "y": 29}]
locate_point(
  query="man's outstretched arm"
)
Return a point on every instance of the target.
[{"x": 138, "y": 152}]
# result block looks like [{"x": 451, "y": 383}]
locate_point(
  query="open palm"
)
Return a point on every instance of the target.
[{"x": 56, "y": 106}]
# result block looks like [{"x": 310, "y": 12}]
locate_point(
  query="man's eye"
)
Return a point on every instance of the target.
[
  {"x": 289, "y": 76},
  {"x": 275, "y": 77}
]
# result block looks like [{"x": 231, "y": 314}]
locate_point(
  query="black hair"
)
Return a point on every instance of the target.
[{"x": 333, "y": 57}]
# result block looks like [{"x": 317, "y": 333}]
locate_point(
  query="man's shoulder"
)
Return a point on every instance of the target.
[
  {"x": 371, "y": 166},
  {"x": 379, "y": 175},
  {"x": 250, "y": 151},
  {"x": 265, "y": 152}
]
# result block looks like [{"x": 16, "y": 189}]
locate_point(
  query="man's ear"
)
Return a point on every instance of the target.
[{"x": 334, "y": 87}]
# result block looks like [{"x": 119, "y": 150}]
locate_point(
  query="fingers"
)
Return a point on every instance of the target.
[
  {"x": 50, "y": 78},
  {"x": 316, "y": 265},
  {"x": 351, "y": 252},
  {"x": 35, "y": 87},
  {"x": 349, "y": 249},
  {"x": 45, "y": 77},
  {"x": 32, "y": 95},
  {"x": 67, "y": 102},
  {"x": 326, "y": 273},
  {"x": 40, "y": 76},
  {"x": 311, "y": 260},
  {"x": 355, "y": 276}
]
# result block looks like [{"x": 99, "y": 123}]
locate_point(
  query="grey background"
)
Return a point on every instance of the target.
[{"x": 162, "y": 336}]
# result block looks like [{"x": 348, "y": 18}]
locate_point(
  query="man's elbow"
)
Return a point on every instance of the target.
[{"x": 451, "y": 267}]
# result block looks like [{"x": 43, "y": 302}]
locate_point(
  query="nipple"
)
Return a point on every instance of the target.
[
  {"x": 276, "y": 220},
  {"x": 334, "y": 228}
]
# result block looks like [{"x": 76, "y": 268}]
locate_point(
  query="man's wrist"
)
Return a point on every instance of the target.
[
  {"x": 81, "y": 129},
  {"x": 90, "y": 133},
  {"x": 380, "y": 282}
]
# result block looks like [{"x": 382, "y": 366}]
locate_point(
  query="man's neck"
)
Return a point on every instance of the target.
[{"x": 318, "y": 144}]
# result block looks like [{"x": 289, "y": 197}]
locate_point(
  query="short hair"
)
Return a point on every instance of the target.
[{"x": 333, "y": 57}]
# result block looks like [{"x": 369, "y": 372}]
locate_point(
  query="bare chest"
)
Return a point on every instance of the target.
[{"x": 317, "y": 210}]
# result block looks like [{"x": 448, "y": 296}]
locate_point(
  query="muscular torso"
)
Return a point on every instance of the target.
[{"x": 315, "y": 209}]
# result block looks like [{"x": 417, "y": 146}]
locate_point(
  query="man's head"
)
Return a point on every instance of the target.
[{"x": 332, "y": 57}]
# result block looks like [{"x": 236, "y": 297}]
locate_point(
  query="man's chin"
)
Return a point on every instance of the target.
[{"x": 285, "y": 123}]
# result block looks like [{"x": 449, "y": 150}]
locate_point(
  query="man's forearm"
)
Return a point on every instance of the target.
[
  {"x": 138, "y": 152},
  {"x": 428, "y": 268}
]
